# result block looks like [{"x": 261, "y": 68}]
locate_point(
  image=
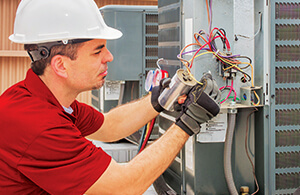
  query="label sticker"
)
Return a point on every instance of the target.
[
  {"x": 214, "y": 130},
  {"x": 112, "y": 90}
]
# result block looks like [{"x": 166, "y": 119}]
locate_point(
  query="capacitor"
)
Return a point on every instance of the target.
[{"x": 180, "y": 84}]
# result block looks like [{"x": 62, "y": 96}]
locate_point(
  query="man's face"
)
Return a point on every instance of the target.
[{"x": 89, "y": 70}]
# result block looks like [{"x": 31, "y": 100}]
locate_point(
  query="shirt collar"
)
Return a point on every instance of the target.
[
  {"x": 68, "y": 110},
  {"x": 38, "y": 88}
]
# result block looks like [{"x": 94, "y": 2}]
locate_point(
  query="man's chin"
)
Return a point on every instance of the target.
[{"x": 99, "y": 85}]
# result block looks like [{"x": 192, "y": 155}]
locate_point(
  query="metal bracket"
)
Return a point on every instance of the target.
[{"x": 247, "y": 95}]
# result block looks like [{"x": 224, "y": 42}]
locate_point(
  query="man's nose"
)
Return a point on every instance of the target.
[{"x": 108, "y": 56}]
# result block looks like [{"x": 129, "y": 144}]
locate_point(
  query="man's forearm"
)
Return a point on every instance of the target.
[
  {"x": 125, "y": 120},
  {"x": 136, "y": 176}
]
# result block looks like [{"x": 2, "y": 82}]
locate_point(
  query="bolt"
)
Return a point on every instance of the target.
[{"x": 232, "y": 104}]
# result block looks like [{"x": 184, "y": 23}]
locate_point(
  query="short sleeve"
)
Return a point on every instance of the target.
[
  {"x": 61, "y": 161},
  {"x": 88, "y": 120}
]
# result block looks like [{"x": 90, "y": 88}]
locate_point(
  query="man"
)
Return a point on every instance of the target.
[{"x": 43, "y": 149}]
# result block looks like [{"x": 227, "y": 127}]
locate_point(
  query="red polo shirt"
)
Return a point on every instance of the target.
[{"x": 42, "y": 148}]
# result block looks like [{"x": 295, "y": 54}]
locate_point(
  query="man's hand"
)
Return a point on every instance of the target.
[
  {"x": 156, "y": 91},
  {"x": 202, "y": 104}
]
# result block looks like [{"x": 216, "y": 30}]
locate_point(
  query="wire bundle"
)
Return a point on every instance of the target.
[
  {"x": 146, "y": 135},
  {"x": 206, "y": 43}
]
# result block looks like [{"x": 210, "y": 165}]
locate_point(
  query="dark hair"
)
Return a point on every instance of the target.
[{"x": 69, "y": 50}]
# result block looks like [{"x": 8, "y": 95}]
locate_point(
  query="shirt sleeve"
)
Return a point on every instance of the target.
[
  {"x": 88, "y": 120},
  {"x": 61, "y": 161}
]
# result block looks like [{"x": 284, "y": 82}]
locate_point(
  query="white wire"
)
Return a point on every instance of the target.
[{"x": 258, "y": 30}]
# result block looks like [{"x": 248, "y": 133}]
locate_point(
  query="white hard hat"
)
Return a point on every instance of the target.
[{"x": 40, "y": 21}]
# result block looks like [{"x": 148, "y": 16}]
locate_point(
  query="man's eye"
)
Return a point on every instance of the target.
[{"x": 98, "y": 52}]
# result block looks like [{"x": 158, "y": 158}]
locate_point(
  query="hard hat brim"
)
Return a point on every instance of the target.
[{"x": 109, "y": 34}]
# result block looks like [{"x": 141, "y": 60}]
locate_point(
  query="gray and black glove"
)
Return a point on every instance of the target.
[
  {"x": 202, "y": 104},
  {"x": 156, "y": 91}
]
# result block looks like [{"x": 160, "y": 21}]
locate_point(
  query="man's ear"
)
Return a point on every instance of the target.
[{"x": 58, "y": 65}]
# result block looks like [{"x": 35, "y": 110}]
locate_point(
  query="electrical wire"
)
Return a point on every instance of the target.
[
  {"x": 237, "y": 68},
  {"x": 208, "y": 12},
  {"x": 255, "y": 34},
  {"x": 247, "y": 152},
  {"x": 208, "y": 45},
  {"x": 250, "y": 61},
  {"x": 231, "y": 89},
  {"x": 142, "y": 137},
  {"x": 231, "y": 97},
  {"x": 148, "y": 134}
]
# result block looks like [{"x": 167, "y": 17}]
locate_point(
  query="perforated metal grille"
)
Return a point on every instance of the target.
[
  {"x": 150, "y": 63},
  {"x": 287, "y": 75},
  {"x": 285, "y": 88},
  {"x": 287, "y": 181},
  {"x": 287, "y": 159},
  {"x": 151, "y": 18},
  {"x": 287, "y": 96},
  {"x": 151, "y": 29},
  {"x": 288, "y": 138},
  {"x": 151, "y": 41},
  {"x": 287, "y": 52},
  {"x": 287, "y": 117},
  {"x": 151, "y": 51},
  {"x": 287, "y": 10},
  {"x": 287, "y": 32}
]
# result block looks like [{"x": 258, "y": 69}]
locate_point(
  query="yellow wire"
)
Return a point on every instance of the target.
[
  {"x": 232, "y": 65},
  {"x": 191, "y": 75},
  {"x": 252, "y": 72},
  {"x": 189, "y": 71},
  {"x": 258, "y": 99},
  {"x": 148, "y": 127},
  {"x": 224, "y": 60}
]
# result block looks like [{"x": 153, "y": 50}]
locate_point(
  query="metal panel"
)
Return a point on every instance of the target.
[
  {"x": 202, "y": 169},
  {"x": 128, "y": 50},
  {"x": 102, "y": 3},
  {"x": 284, "y": 148},
  {"x": 169, "y": 34}
]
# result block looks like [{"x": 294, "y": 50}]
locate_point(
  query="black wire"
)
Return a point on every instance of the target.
[
  {"x": 213, "y": 44},
  {"x": 223, "y": 39},
  {"x": 249, "y": 77},
  {"x": 227, "y": 88},
  {"x": 250, "y": 61},
  {"x": 142, "y": 138}
]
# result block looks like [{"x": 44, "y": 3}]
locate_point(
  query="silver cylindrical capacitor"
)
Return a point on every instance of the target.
[{"x": 180, "y": 84}]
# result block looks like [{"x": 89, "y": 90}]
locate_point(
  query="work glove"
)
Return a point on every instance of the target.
[
  {"x": 202, "y": 104},
  {"x": 156, "y": 91}
]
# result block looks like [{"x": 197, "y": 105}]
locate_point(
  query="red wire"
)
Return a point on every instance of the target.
[
  {"x": 191, "y": 64},
  {"x": 148, "y": 135},
  {"x": 224, "y": 37},
  {"x": 226, "y": 40},
  {"x": 231, "y": 88},
  {"x": 197, "y": 53}
]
